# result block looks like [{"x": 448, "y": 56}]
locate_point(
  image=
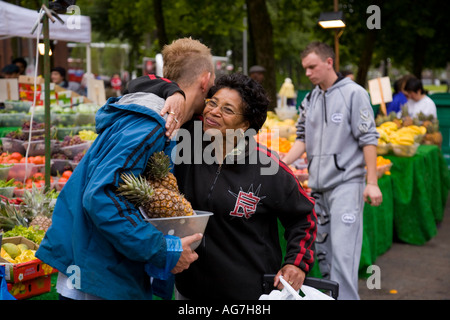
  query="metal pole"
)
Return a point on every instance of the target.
[
  {"x": 47, "y": 97},
  {"x": 336, "y": 40},
  {"x": 244, "y": 44}
]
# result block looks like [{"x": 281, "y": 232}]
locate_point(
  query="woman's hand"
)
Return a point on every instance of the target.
[
  {"x": 292, "y": 274},
  {"x": 175, "y": 106}
]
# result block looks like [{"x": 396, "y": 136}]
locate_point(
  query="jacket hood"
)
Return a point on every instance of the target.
[
  {"x": 147, "y": 104},
  {"x": 340, "y": 82}
]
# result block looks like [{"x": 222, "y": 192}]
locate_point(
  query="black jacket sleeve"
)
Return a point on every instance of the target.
[
  {"x": 299, "y": 220},
  {"x": 162, "y": 87}
]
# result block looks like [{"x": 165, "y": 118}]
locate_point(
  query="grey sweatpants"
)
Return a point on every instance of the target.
[{"x": 339, "y": 236}]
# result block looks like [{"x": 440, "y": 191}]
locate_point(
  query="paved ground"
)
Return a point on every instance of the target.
[{"x": 415, "y": 272}]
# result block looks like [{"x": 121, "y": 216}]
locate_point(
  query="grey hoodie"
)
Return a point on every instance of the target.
[{"x": 335, "y": 125}]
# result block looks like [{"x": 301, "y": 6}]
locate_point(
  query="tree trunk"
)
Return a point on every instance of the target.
[
  {"x": 261, "y": 35},
  {"x": 420, "y": 45},
  {"x": 366, "y": 57},
  {"x": 160, "y": 24}
]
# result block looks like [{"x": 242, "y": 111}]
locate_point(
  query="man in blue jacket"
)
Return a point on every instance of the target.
[{"x": 99, "y": 243}]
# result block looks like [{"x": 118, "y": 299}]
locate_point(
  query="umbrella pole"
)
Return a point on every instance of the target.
[{"x": 47, "y": 96}]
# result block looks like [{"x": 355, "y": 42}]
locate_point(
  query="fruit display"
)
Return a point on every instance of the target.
[
  {"x": 30, "y": 233},
  {"x": 383, "y": 166},
  {"x": 404, "y": 134},
  {"x": 71, "y": 141},
  {"x": 19, "y": 253},
  {"x": 87, "y": 135},
  {"x": 403, "y": 140},
  {"x": 286, "y": 128},
  {"x": 156, "y": 192},
  {"x": 281, "y": 145},
  {"x": 35, "y": 211}
]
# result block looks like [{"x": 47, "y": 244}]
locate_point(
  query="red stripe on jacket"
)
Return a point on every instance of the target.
[
  {"x": 153, "y": 77},
  {"x": 308, "y": 236}
]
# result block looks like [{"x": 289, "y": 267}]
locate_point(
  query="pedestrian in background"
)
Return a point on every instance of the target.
[{"x": 336, "y": 128}]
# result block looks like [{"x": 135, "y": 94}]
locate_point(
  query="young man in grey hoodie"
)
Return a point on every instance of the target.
[{"x": 337, "y": 130}]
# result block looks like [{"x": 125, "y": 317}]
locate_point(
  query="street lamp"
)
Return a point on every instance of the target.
[{"x": 333, "y": 20}]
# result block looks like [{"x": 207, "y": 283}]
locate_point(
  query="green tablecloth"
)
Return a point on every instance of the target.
[
  {"x": 377, "y": 226},
  {"x": 414, "y": 199},
  {"x": 420, "y": 186}
]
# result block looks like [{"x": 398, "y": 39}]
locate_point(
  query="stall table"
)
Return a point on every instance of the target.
[{"x": 414, "y": 199}]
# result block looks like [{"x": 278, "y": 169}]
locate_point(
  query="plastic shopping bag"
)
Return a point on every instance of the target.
[
  {"x": 288, "y": 293},
  {"x": 4, "y": 293}
]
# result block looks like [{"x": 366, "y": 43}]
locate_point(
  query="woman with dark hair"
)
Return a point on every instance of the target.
[
  {"x": 248, "y": 189},
  {"x": 418, "y": 101}
]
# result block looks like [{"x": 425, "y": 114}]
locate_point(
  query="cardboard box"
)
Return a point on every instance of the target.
[
  {"x": 30, "y": 288},
  {"x": 20, "y": 272}
]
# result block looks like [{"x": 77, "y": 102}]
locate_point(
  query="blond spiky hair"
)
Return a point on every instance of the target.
[{"x": 186, "y": 59}]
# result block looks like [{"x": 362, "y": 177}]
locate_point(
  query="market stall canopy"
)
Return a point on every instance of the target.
[{"x": 17, "y": 21}]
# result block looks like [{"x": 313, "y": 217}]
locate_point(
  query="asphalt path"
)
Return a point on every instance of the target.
[{"x": 410, "y": 272}]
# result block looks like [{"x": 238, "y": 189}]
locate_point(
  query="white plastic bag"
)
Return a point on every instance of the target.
[{"x": 288, "y": 293}]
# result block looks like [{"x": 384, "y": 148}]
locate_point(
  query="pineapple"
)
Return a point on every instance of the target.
[
  {"x": 39, "y": 208},
  {"x": 157, "y": 194},
  {"x": 158, "y": 172},
  {"x": 10, "y": 217},
  {"x": 168, "y": 203},
  {"x": 136, "y": 189}
]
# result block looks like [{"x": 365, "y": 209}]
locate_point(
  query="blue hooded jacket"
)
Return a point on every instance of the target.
[{"x": 101, "y": 233}]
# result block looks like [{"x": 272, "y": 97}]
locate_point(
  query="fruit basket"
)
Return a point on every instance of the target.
[
  {"x": 405, "y": 150},
  {"x": 383, "y": 149},
  {"x": 13, "y": 145},
  {"x": 61, "y": 132},
  {"x": 37, "y": 131},
  {"x": 381, "y": 170},
  {"x": 19, "y": 106},
  {"x": 58, "y": 166},
  {"x": 181, "y": 226},
  {"x": 286, "y": 112},
  {"x": 22, "y": 171},
  {"x": 11, "y": 119},
  {"x": 83, "y": 119},
  {"x": 7, "y": 191},
  {"x": 64, "y": 119},
  {"x": 37, "y": 147},
  {"x": 4, "y": 171},
  {"x": 72, "y": 151}
]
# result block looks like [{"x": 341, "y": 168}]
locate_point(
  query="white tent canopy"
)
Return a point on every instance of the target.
[{"x": 17, "y": 21}]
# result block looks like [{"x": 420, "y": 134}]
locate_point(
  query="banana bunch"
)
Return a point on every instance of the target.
[
  {"x": 388, "y": 127},
  {"x": 416, "y": 130},
  {"x": 404, "y": 138},
  {"x": 390, "y": 133},
  {"x": 384, "y": 136}
]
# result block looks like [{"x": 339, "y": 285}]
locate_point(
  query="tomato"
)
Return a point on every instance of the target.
[
  {"x": 38, "y": 176},
  {"x": 39, "y": 160},
  {"x": 18, "y": 184},
  {"x": 66, "y": 174},
  {"x": 63, "y": 180},
  {"x": 16, "y": 155}
]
